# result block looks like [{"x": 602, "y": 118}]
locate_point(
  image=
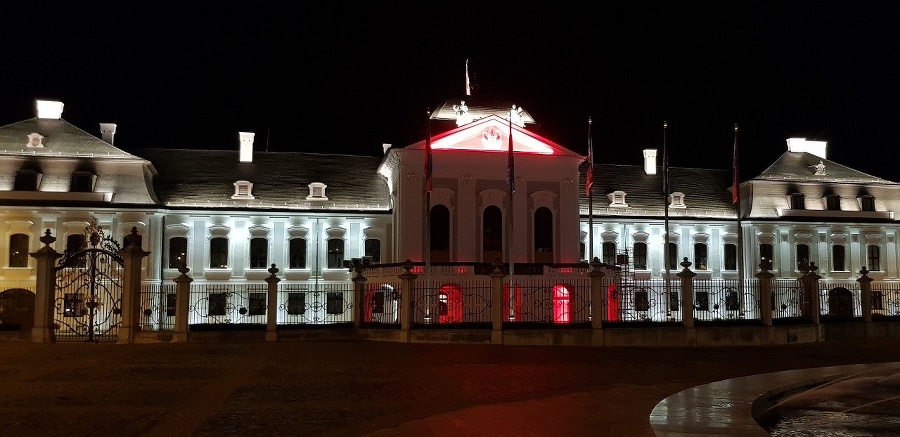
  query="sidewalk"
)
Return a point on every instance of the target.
[{"x": 335, "y": 388}]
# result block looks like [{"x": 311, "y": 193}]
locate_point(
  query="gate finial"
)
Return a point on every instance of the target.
[{"x": 48, "y": 239}]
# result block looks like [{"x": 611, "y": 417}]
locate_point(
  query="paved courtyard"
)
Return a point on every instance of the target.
[{"x": 349, "y": 388}]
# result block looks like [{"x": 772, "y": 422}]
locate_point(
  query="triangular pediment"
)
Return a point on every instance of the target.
[{"x": 491, "y": 134}]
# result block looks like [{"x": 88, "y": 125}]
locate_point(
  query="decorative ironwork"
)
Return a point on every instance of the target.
[
  {"x": 550, "y": 302},
  {"x": 454, "y": 302},
  {"x": 325, "y": 304},
  {"x": 88, "y": 297}
]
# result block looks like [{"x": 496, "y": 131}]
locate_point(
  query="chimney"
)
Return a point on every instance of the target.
[
  {"x": 107, "y": 132},
  {"x": 801, "y": 145},
  {"x": 49, "y": 109},
  {"x": 246, "y": 146},
  {"x": 385, "y": 147},
  {"x": 650, "y": 161}
]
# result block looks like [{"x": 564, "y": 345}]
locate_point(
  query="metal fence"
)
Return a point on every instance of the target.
[
  {"x": 381, "y": 303},
  {"x": 787, "y": 299},
  {"x": 547, "y": 301},
  {"x": 438, "y": 302},
  {"x": 722, "y": 300},
  {"x": 315, "y": 304},
  {"x": 643, "y": 300},
  {"x": 886, "y": 299},
  {"x": 840, "y": 300},
  {"x": 157, "y": 307}
]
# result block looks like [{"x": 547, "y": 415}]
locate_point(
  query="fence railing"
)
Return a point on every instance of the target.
[
  {"x": 315, "y": 304},
  {"x": 445, "y": 303},
  {"x": 157, "y": 307}
]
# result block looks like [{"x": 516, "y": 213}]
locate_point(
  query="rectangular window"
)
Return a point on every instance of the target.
[
  {"x": 170, "y": 304},
  {"x": 73, "y": 305},
  {"x": 335, "y": 253},
  {"x": 177, "y": 252},
  {"x": 802, "y": 256},
  {"x": 673, "y": 256},
  {"x": 335, "y": 302},
  {"x": 373, "y": 250},
  {"x": 18, "y": 250},
  {"x": 867, "y": 203},
  {"x": 75, "y": 243},
  {"x": 378, "y": 302},
  {"x": 700, "y": 256},
  {"x": 765, "y": 251},
  {"x": 798, "y": 201},
  {"x": 833, "y": 202},
  {"x": 217, "y": 304},
  {"x": 877, "y": 300},
  {"x": 641, "y": 300},
  {"x": 609, "y": 253},
  {"x": 26, "y": 180},
  {"x": 296, "y": 304},
  {"x": 218, "y": 253},
  {"x": 874, "y": 257},
  {"x": 257, "y": 305},
  {"x": 259, "y": 253},
  {"x": 837, "y": 258},
  {"x": 730, "y": 257},
  {"x": 731, "y": 300},
  {"x": 640, "y": 256},
  {"x": 297, "y": 253},
  {"x": 82, "y": 182},
  {"x": 702, "y": 301}
]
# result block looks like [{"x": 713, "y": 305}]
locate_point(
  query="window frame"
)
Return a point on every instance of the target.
[{"x": 18, "y": 250}]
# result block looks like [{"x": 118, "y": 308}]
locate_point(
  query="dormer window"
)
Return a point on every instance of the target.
[
  {"x": 617, "y": 199},
  {"x": 35, "y": 140},
  {"x": 832, "y": 202},
  {"x": 243, "y": 190},
  {"x": 867, "y": 202},
  {"x": 82, "y": 182},
  {"x": 798, "y": 201},
  {"x": 27, "y": 180},
  {"x": 676, "y": 200},
  {"x": 317, "y": 191}
]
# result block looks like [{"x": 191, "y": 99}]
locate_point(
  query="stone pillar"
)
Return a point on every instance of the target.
[
  {"x": 359, "y": 289},
  {"x": 132, "y": 255},
  {"x": 408, "y": 281},
  {"x": 182, "y": 302},
  {"x": 272, "y": 304},
  {"x": 764, "y": 291},
  {"x": 687, "y": 293},
  {"x": 45, "y": 291},
  {"x": 865, "y": 294},
  {"x": 497, "y": 307},
  {"x": 598, "y": 300},
  {"x": 809, "y": 284}
]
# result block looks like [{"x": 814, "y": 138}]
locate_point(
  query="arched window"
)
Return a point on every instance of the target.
[
  {"x": 440, "y": 233},
  {"x": 492, "y": 234},
  {"x": 562, "y": 304},
  {"x": 335, "y": 253},
  {"x": 543, "y": 235}
]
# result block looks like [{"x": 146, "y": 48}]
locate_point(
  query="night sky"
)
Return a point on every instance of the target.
[{"x": 345, "y": 79}]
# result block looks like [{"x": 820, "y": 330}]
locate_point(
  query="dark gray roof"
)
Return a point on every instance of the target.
[
  {"x": 61, "y": 139},
  {"x": 801, "y": 166},
  {"x": 205, "y": 179},
  {"x": 706, "y": 192}
]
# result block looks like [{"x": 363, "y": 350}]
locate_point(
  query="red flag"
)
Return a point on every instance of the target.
[
  {"x": 429, "y": 186},
  {"x": 735, "y": 187},
  {"x": 589, "y": 182}
]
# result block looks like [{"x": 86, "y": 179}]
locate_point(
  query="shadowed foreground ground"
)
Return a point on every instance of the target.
[{"x": 345, "y": 388}]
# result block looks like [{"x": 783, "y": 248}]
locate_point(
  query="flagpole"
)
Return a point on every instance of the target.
[
  {"x": 429, "y": 168},
  {"x": 736, "y": 198},
  {"x": 468, "y": 85},
  {"x": 511, "y": 186},
  {"x": 666, "y": 218},
  {"x": 589, "y": 182}
]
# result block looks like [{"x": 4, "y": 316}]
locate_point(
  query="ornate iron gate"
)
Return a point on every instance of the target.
[{"x": 88, "y": 297}]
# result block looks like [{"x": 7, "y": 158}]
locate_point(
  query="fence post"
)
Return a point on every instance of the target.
[
  {"x": 359, "y": 282},
  {"x": 809, "y": 283},
  {"x": 132, "y": 255},
  {"x": 45, "y": 290},
  {"x": 272, "y": 304},
  {"x": 865, "y": 295},
  {"x": 182, "y": 301},
  {"x": 497, "y": 276},
  {"x": 687, "y": 293},
  {"x": 408, "y": 281},
  {"x": 764, "y": 291},
  {"x": 598, "y": 293}
]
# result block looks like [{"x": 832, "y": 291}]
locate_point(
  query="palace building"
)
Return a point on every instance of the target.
[{"x": 485, "y": 225}]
